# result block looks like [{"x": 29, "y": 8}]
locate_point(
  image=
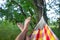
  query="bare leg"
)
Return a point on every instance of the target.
[
  {"x": 27, "y": 37},
  {"x": 21, "y": 26},
  {"x": 21, "y": 36}
]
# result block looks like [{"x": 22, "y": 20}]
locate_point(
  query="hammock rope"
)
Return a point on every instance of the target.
[{"x": 43, "y": 32}]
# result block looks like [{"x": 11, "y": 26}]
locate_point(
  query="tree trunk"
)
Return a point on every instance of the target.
[{"x": 41, "y": 8}]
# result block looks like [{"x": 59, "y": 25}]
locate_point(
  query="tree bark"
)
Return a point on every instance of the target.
[{"x": 41, "y": 9}]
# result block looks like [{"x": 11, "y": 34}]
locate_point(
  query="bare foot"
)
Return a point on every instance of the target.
[
  {"x": 26, "y": 23},
  {"x": 21, "y": 27}
]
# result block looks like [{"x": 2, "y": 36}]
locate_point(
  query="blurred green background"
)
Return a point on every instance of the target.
[{"x": 14, "y": 11}]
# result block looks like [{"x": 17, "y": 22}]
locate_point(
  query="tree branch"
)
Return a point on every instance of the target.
[{"x": 20, "y": 7}]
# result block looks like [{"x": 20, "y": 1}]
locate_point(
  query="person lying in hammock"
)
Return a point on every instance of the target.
[
  {"x": 39, "y": 34},
  {"x": 24, "y": 29}
]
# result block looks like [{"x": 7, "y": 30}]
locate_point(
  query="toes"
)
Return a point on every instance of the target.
[{"x": 27, "y": 20}]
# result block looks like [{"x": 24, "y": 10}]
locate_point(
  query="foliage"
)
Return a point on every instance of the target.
[
  {"x": 54, "y": 7},
  {"x": 8, "y": 31},
  {"x": 18, "y": 10}
]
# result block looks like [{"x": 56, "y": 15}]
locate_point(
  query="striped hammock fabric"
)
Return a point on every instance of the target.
[{"x": 43, "y": 33}]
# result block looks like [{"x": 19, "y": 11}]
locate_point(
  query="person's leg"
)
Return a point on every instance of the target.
[
  {"x": 21, "y": 26},
  {"x": 22, "y": 35},
  {"x": 27, "y": 37}
]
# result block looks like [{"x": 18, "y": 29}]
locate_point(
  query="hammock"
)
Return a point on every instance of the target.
[{"x": 43, "y": 32}]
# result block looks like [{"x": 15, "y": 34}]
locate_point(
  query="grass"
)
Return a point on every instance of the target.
[
  {"x": 8, "y": 31},
  {"x": 57, "y": 32}
]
